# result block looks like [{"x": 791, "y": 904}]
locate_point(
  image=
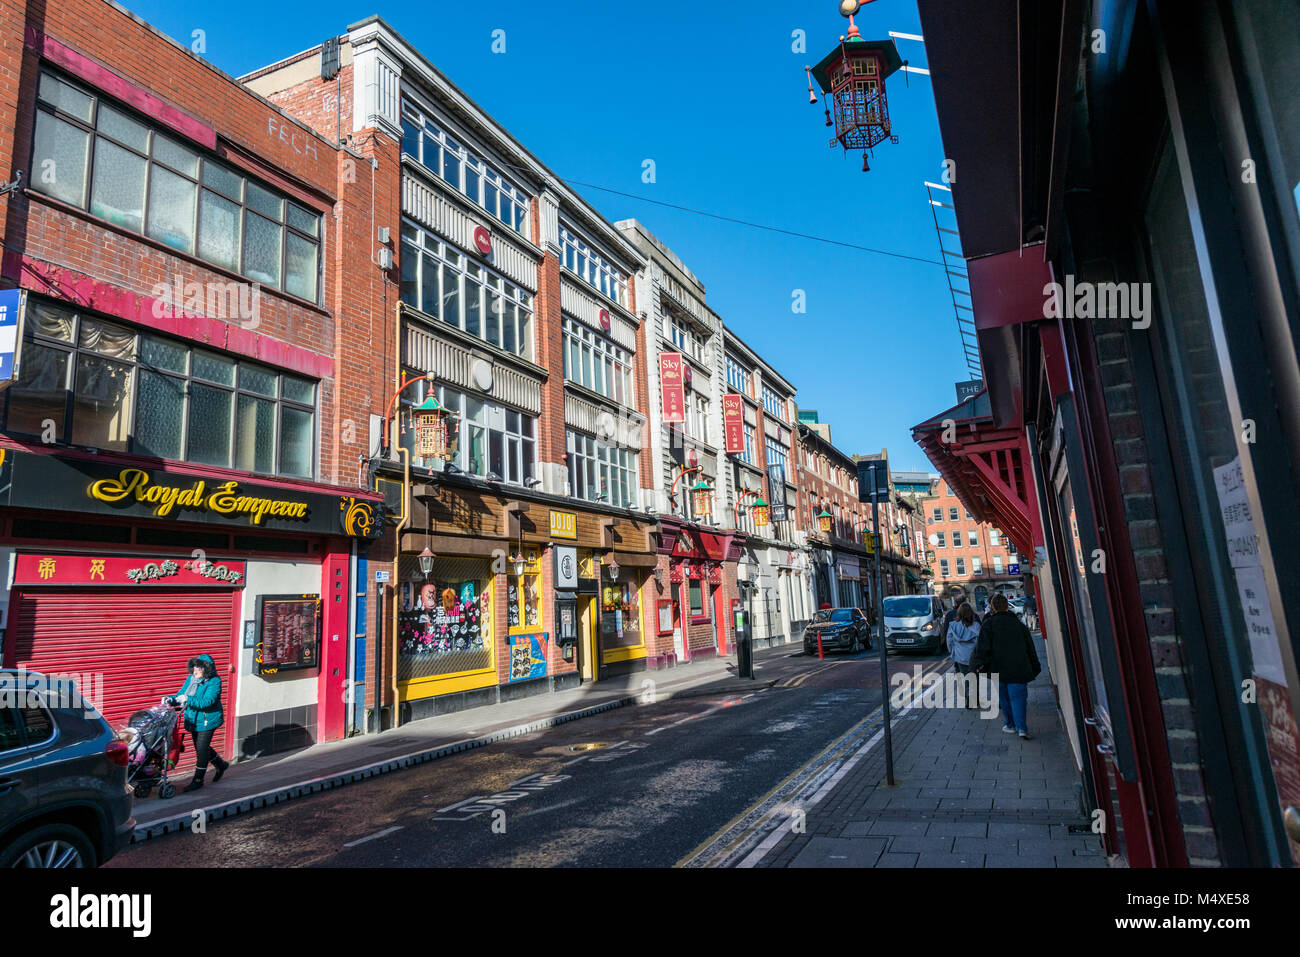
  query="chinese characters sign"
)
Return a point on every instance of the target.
[
  {"x": 90, "y": 570},
  {"x": 733, "y": 422},
  {"x": 672, "y": 386}
]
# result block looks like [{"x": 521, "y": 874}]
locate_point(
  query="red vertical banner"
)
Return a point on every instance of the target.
[
  {"x": 733, "y": 422},
  {"x": 672, "y": 387}
]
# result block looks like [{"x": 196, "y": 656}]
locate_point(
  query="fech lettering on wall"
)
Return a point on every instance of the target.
[{"x": 298, "y": 140}]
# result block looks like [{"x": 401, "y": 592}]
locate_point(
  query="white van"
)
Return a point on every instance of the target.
[{"x": 913, "y": 623}]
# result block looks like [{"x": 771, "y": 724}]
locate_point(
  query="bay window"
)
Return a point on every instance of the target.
[
  {"x": 425, "y": 140},
  {"x": 592, "y": 267},
  {"x": 601, "y": 473},
  {"x": 593, "y": 361},
  {"x": 446, "y": 284},
  {"x": 484, "y": 438}
]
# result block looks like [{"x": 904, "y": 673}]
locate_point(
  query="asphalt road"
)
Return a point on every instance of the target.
[{"x": 636, "y": 786}]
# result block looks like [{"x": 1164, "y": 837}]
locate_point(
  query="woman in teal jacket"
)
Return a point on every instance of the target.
[{"x": 201, "y": 697}]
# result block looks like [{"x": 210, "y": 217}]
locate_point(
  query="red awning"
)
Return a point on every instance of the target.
[{"x": 985, "y": 467}]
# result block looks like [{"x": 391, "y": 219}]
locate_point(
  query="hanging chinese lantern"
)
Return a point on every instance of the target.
[
  {"x": 702, "y": 499},
  {"x": 854, "y": 75},
  {"x": 824, "y": 520},
  {"x": 429, "y": 419},
  {"x": 761, "y": 512}
]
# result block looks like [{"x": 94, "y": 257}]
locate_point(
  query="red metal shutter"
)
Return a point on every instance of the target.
[{"x": 139, "y": 641}]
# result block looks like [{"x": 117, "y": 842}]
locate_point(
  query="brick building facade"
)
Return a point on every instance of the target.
[{"x": 179, "y": 457}]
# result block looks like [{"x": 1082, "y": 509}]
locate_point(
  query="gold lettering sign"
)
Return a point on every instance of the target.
[
  {"x": 135, "y": 484},
  {"x": 564, "y": 525}
]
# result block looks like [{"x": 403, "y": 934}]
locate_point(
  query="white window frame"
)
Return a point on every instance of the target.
[{"x": 433, "y": 144}]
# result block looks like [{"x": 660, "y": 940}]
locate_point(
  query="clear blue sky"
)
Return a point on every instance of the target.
[{"x": 715, "y": 95}]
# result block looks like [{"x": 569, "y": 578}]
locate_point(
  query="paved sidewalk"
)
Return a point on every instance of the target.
[
  {"x": 281, "y": 777},
  {"x": 967, "y": 795}
]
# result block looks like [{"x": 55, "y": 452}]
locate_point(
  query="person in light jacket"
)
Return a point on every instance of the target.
[
  {"x": 963, "y": 635},
  {"x": 201, "y": 698}
]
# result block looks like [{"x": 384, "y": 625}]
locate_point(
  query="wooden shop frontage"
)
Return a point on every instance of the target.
[{"x": 501, "y": 593}]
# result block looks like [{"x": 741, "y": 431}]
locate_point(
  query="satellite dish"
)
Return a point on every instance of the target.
[{"x": 934, "y": 539}]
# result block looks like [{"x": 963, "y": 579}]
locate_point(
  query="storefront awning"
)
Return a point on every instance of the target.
[{"x": 984, "y": 465}]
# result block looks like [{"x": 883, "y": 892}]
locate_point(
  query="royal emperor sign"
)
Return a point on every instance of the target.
[
  {"x": 86, "y": 486},
  {"x": 224, "y": 498}
]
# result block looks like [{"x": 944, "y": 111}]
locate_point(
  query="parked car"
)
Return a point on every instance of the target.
[
  {"x": 913, "y": 623},
  {"x": 1017, "y": 606},
  {"x": 839, "y": 628},
  {"x": 64, "y": 800}
]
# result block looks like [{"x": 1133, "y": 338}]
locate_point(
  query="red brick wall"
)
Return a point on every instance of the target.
[{"x": 549, "y": 332}]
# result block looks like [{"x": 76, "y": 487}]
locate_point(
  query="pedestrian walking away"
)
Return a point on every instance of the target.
[
  {"x": 200, "y": 695},
  {"x": 1006, "y": 648},
  {"x": 962, "y": 636}
]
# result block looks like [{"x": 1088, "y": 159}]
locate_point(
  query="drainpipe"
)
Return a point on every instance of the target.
[{"x": 402, "y": 524}]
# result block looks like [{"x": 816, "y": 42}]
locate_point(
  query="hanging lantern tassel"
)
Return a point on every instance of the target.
[
  {"x": 812, "y": 97},
  {"x": 865, "y": 167}
]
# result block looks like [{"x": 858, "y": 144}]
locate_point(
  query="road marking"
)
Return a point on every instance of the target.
[
  {"x": 586, "y": 756},
  {"x": 371, "y": 837},
  {"x": 819, "y": 775}
]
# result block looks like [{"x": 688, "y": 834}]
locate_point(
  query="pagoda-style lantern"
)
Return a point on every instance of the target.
[
  {"x": 854, "y": 75},
  {"x": 824, "y": 521},
  {"x": 761, "y": 512},
  {"x": 429, "y": 419},
  {"x": 702, "y": 499}
]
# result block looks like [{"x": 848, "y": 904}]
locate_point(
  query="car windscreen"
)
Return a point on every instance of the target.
[
  {"x": 913, "y": 607},
  {"x": 838, "y": 615}
]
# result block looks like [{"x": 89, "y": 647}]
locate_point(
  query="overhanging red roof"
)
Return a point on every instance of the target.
[{"x": 984, "y": 465}]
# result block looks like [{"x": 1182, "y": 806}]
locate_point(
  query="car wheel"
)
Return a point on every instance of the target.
[{"x": 51, "y": 845}]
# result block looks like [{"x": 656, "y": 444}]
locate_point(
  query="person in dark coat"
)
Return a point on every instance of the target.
[
  {"x": 201, "y": 698},
  {"x": 1006, "y": 648}
]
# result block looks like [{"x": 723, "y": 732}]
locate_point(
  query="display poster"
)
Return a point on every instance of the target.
[
  {"x": 528, "y": 656},
  {"x": 288, "y": 633}
]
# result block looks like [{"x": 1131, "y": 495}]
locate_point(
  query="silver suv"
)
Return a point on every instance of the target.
[{"x": 64, "y": 800}]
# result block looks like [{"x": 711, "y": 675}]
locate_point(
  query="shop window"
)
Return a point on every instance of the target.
[
  {"x": 103, "y": 385},
  {"x": 524, "y": 598},
  {"x": 620, "y": 614},
  {"x": 445, "y": 619}
]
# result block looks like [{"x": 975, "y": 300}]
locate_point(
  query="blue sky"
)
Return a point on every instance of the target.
[{"x": 715, "y": 95}]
